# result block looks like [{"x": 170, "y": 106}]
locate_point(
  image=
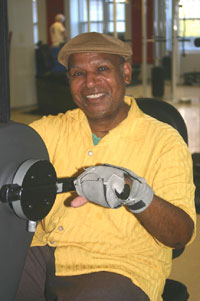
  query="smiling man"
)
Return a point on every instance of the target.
[
  {"x": 97, "y": 84},
  {"x": 134, "y": 200}
]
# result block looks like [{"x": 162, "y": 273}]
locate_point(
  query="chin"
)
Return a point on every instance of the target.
[{"x": 96, "y": 114}]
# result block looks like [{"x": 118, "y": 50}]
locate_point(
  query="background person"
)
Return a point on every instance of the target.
[{"x": 58, "y": 31}]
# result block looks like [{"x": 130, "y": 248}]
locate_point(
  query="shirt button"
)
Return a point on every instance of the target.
[
  {"x": 60, "y": 228},
  {"x": 52, "y": 242},
  {"x": 90, "y": 153}
]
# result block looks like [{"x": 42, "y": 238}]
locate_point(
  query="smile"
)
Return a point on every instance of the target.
[{"x": 95, "y": 96}]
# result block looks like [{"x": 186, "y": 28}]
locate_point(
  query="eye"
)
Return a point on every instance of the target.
[
  {"x": 77, "y": 73},
  {"x": 102, "y": 68},
  {"x": 74, "y": 73}
]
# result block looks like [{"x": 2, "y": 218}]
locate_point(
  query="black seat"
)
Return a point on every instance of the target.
[{"x": 165, "y": 112}]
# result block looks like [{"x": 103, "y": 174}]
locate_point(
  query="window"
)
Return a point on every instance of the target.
[
  {"x": 35, "y": 22},
  {"x": 120, "y": 16},
  {"x": 98, "y": 15},
  {"x": 91, "y": 15},
  {"x": 189, "y": 23}
]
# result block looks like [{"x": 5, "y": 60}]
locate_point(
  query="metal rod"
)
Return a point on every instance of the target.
[
  {"x": 174, "y": 48},
  {"x": 144, "y": 47},
  {"x": 115, "y": 18},
  {"x": 88, "y": 13},
  {"x": 4, "y": 65}
]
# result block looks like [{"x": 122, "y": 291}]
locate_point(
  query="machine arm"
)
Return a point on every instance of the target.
[{"x": 34, "y": 188}]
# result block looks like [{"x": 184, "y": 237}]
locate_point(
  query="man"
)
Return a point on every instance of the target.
[
  {"x": 57, "y": 31},
  {"x": 136, "y": 173}
]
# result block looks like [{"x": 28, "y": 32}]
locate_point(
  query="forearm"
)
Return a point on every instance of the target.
[
  {"x": 64, "y": 35},
  {"x": 167, "y": 223},
  {"x": 112, "y": 186}
]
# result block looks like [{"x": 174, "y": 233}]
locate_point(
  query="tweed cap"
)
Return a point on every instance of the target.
[{"x": 93, "y": 42}]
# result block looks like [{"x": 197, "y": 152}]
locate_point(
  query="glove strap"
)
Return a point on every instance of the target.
[{"x": 141, "y": 196}]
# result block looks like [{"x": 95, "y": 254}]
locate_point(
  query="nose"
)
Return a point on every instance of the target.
[{"x": 90, "y": 79}]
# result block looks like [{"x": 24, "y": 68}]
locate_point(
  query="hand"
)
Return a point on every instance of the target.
[
  {"x": 78, "y": 202},
  {"x": 113, "y": 186}
]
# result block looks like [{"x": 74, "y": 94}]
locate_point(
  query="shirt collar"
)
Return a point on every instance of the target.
[{"x": 129, "y": 122}]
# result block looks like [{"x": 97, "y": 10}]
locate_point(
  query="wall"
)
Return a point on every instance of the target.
[
  {"x": 42, "y": 21},
  {"x": 22, "y": 65},
  {"x": 128, "y": 22},
  {"x": 67, "y": 13},
  {"x": 190, "y": 62}
]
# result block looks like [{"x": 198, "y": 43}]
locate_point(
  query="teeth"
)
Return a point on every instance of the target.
[{"x": 95, "y": 95}]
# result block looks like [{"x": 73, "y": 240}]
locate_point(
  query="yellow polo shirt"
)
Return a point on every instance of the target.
[{"x": 93, "y": 238}]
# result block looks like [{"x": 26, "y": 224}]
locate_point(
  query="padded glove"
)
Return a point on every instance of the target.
[{"x": 112, "y": 186}]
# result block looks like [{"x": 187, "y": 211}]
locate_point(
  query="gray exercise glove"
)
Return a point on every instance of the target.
[{"x": 107, "y": 185}]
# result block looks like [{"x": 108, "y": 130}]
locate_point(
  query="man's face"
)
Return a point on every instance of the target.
[{"x": 97, "y": 83}]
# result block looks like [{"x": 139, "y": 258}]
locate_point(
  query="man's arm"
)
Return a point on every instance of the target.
[
  {"x": 105, "y": 185},
  {"x": 63, "y": 32},
  {"x": 166, "y": 222},
  {"x": 64, "y": 35}
]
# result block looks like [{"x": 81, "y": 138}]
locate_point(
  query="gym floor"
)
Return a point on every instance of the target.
[{"x": 186, "y": 268}]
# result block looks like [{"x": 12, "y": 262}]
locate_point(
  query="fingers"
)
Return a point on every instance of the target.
[{"x": 78, "y": 202}]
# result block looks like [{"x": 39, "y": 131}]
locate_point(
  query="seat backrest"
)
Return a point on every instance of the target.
[{"x": 164, "y": 112}]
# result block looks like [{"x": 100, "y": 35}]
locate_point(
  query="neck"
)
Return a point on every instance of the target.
[{"x": 100, "y": 127}]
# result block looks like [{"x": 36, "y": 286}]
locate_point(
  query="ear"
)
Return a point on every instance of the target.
[{"x": 127, "y": 72}]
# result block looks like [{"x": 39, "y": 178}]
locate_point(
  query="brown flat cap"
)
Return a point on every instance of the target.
[{"x": 93, "y": 42}]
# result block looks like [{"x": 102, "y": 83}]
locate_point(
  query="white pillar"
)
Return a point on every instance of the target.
[
  {"x": 88, "y": 14},
  {"x": 115, "y": 18},
  {"x": 174, "y": 48},
  {"x": 144, "y": 46}
]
